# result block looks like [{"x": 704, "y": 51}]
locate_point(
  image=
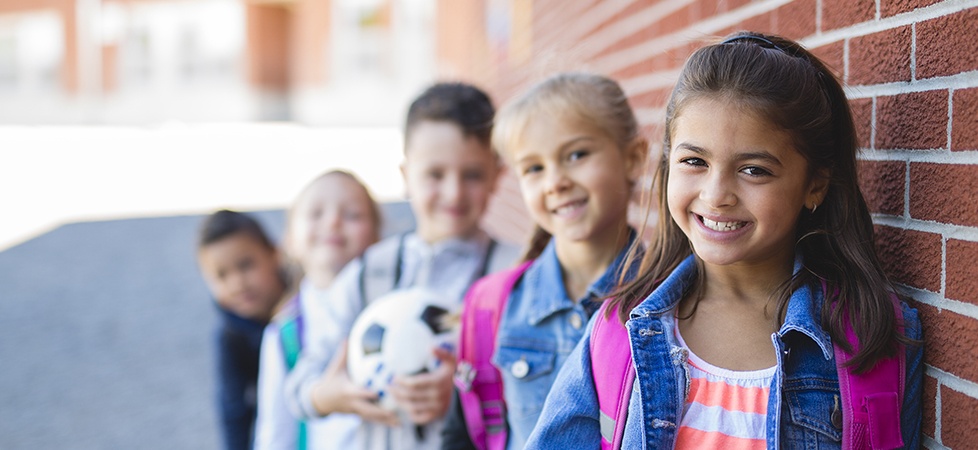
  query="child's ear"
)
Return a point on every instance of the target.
[
  {"x": 818, "y": 188},
  {"x": 496, "y": 172},
  {"x": 404, "y": 178},
  {"x": 636, "y": 154}
]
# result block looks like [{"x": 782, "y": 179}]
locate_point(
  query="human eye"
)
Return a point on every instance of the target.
[
  {"x": 473, "y": 175},
  {"x": 530, "y": 169},
  {"x": 245, "y": 264},
  {"x": 578, "y": 154},
  {"x": 755, "y": 171},
  {"x": 434, "y": 174},
  {"x": 692, "y": 161}
]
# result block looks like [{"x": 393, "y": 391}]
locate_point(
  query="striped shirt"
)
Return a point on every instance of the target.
[{"x": 725, "y": 408}]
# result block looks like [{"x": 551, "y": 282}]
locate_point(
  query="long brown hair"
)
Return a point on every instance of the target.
[{"x": 794, "y": 91}]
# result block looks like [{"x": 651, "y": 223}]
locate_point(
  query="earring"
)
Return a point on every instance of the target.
[{"x": 814, "y": 207}]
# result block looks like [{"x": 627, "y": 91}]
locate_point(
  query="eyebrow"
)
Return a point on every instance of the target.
[{"x": 743, "y": 156}]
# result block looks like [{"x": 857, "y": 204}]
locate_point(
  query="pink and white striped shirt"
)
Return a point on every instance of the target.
[{"x": 726, "y": 408}]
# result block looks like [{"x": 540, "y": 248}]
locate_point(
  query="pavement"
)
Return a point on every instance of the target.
[{"x": 106, "y": 336}]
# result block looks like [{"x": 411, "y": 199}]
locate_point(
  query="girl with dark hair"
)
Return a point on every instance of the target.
[{"x": 761, "y": 267}]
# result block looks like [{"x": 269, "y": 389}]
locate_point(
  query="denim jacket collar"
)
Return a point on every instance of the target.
[
  {"x": 547, "y": 289},
  {"x": 802, "y": 314}
]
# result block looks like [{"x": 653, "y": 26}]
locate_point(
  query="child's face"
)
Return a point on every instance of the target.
[
  {"x": 242, "y": 274},
  {"x": 449, "y": 178},
  {"x": 575, "y": 180},
  {"x": 330, "y": 224},
  {"x": 737, "y": 185}
]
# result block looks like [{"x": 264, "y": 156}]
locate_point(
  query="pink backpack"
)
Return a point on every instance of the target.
[
  {"x": 479, "y": 383},
  {"x": 870, "y": 401}
]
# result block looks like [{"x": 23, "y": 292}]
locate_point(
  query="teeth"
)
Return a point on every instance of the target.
[
  {"x": 722, "y": 226},
  {"x": 567, "y": 209}
]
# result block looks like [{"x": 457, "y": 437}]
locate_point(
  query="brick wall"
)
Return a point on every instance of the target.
[{"x": 912, "y": 73}]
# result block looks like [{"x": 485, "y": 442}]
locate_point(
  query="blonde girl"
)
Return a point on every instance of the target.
[
  {"x": 333, "y": 220},
  {"x": 575, "y": 148}
]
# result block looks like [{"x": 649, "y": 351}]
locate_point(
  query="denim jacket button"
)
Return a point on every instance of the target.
[
  {"x": 520, "y": 368},
  {"x": 575, "y": 321},
  {"x": 837, "y": 418}
]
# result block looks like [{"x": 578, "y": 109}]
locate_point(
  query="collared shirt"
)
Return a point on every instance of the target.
[
  {"x": 537, "y": 332},
  {"x": 802, "y": 394}
]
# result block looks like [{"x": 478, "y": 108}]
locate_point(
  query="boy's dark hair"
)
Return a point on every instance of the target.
[
  {"x": 224, "y": 223},
  {"x": 462, "y": 104}
]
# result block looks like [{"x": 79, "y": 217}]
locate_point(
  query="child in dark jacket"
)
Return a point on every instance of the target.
[{"x": 243, "y": 272}]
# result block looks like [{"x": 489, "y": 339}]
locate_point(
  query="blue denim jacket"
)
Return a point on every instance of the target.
[
  {"x": 802, "y": 398},
  {"x": 537, "y": 332}
]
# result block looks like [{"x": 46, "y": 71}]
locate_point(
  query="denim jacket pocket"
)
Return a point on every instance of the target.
[
  {"x": 814, "y": 413},
  {"x": 524, "y": 364}
]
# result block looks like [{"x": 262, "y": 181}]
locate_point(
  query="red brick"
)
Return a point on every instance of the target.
[
  {"x": 882, "y": 183},
  {"x": 946, "y": 193},
  {"x": 643, "y": 35},
  {"x": 893, "y": 7},
  {"x": 629, "y": 10},
  {"x": 833, "y": 55},
  {"x": 910, "y": 257},
  {"x": 862, "y": 116},
  {"x": 763, "y": 23},
  {"x": 914, "y": 121},
  {"x": 950, "y": 341},
  {"x": 652, "y": 99},
  {"x": 675, "y": 21},
  {"x": 644, "y": 67},
  {"x": 842, "y": 13},
  {"x": 947, "y": 45},
  {"x": 959, "y": 419},
  {"x": 796, "y": 20},
  {"x": 961, "y": 279},
  {"x": 882, "y": 57},
  {"x": 929, "y": 407},
  {"x": 964, "y": 121},
  {"x": 730, "y": 5}
]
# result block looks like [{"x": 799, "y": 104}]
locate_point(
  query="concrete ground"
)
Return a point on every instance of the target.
[{"x": 106, "y": 336}]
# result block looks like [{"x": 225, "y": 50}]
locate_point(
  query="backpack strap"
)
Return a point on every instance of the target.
[
  {"x": 613, "y": 374},
  {"x": 290, "y": 329},
  {"x": 381, "y": 268},
  {"x": 871, "y": 401},
  {"x": 479, "y": 383}
]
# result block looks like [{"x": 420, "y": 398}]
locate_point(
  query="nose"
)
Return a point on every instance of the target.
[
  {"x": 718, "y": 190},
  {"x": 452, "y": 188},
  {"x": 556, "y": 180}
]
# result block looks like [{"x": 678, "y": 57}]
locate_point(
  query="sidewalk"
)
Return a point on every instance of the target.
[{"x": 106, "y": 336}]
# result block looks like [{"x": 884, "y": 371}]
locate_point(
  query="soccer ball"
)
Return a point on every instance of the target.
[{"x": 395, "y": 335}]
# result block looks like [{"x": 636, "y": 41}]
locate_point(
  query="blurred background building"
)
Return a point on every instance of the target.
[{"x": 336, "y": 62}]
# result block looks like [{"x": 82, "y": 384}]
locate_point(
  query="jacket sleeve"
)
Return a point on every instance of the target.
[
  {"x": 325, "y": 333},
  {"x": 570, "y": 414},
  {"x": 910, "y": 413},
  {"x": 236, "y": 371}
]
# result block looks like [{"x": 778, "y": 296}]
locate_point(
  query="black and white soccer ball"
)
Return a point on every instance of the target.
[{"x": 395, "y": 335}]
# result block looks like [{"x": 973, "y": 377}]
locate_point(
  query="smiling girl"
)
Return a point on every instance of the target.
[{"x": 762, "y": 272}]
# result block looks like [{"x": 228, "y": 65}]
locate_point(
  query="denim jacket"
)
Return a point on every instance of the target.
[
  {"x": 538, "y": 330},
  {"x": 803, "y": 396}
]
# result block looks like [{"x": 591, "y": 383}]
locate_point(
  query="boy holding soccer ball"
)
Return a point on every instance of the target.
[{"x": 449, "y": 172}]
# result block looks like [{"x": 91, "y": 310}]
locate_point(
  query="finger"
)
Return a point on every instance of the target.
[
  {"x": 374, "y": 413},
  {"x": 444, "y": 355}
]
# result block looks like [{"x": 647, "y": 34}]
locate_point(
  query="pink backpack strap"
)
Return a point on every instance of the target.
[
  {"x": 871, "y": 401},
  {"x": 479, "y": 383},
  {"x": 613, "y": 373}
]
